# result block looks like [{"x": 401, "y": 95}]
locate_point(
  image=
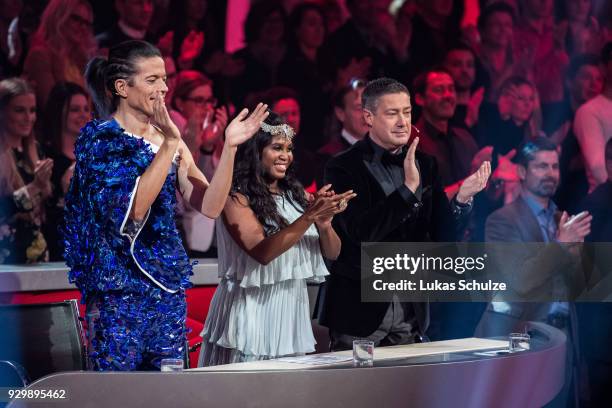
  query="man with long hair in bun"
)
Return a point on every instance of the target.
[{"x": 122, "y": 246}]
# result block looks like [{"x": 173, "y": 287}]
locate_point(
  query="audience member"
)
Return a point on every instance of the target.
[
  {"x": 171, "y": 73},
  {"x": 201, "y": 124},
  {"x": 302, "y": 70},
  {"x": 453, "y": 147},
  {"x": 199, "y": 119},
  {"x": 496, "y": 28},
  {"x": 25, "y": 180},
  {"x": 348, "y": 111},
  {"x": 434, "y": 29},
  {"x": 192, "y": 33},
  {"x": 9, "y": 10},
  {"x": 599, "y": 204},
  {"x": 67, "y": 111},
  {"x": 593, "y": 126},
  {"x": 61, "y": 47},
  {"x": 583, "y": 33},
  {"x": 539, "y": 52},
  {"x": 132, "y": 23},
  {"x": 360, "y": 48},
  {"x": 540, "y": 273},
  {"x": 20, "y": 32},
  {"x": 460, "y": 62},
  {"x": 333, "y": 15},
  {"x": 584, "y": 82},
  {"x": 594, "y": 317},
  {"x": 265, "y": 32},
  {"x": 507, "y": 123}
]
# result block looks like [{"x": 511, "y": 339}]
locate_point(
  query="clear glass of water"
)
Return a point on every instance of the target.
[
  {"x": 363, "y": 353},
  {"x": 518, "y": 342},
  {"x": 172, "y": 365}
]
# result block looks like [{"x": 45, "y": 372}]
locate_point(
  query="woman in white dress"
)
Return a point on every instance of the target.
[{"x": 271, "y": 240}]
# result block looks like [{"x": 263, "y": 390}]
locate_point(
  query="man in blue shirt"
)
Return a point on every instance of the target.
[{"x": 539, "y": 274}]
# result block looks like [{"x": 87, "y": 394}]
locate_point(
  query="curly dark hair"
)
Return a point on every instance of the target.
[{"x": 250, "y": 179}]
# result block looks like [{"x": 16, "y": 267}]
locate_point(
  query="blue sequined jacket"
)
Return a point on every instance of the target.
[{"x": 104, "y": 249}]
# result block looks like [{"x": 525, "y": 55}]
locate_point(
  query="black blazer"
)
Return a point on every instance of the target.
[{"x": 379, "y": 216}]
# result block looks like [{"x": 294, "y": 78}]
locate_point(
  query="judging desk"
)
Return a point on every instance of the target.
[{"x": 460, "y": 373}]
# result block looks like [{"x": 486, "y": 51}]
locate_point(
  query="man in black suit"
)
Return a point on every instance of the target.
[{"x": 399, "y": 198}]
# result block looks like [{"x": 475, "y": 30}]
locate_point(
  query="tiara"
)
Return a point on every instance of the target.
[{"x": 279, "y": 130}]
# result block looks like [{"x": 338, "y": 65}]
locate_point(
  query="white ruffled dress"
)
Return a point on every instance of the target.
[{"x": 259, "y": 311}]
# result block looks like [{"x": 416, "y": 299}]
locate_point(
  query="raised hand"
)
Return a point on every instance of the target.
[
  {"x": 412, "y": 178},
  {"x": 473, "y": 107},
  {"x": 474, "y": 183},
  {"x": 165, "y": 43},
  {"x": 163, "y": 121},
  {"x": 506, "y": 170},
  {"x": 213, "y": 132},
  {"x": 242, "y": 128},
  {"x": 192, "y": 46}
]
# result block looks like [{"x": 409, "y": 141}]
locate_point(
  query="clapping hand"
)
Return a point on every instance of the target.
[
  {"x": 325, "y": 204},
  {"x": 242, "y": 128},
  {"x": 474, "y": 183},
  {"x": 574, "y": 229},
  {"x": 412, "y": 178}
]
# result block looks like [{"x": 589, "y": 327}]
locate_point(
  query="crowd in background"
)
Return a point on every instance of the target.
[
  {"x": 524, "y": 69},
  {"x": 482, "y": 84}
]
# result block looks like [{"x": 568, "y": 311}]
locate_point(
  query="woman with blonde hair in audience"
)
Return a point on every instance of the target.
[
  {"x": 24, "y": 178},
  {"x": 61, "y": 46}
]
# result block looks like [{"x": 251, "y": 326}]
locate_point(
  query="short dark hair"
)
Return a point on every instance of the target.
[
  {"x": 498, "y": 7},
  {"x": 258, "y": 13},
  {"x": 527, "y": 150},
  {"x": 419, "y": 85},
  {"x": 277, "y": 93},
  {"x": 354, "y": 84},
  {"x": 460, "y": 46},
  {"x": 297, "y": 15},
  {"x": 580, "y": 61},
  {"x": 515, "y": 81},
  {"x": 606, "y": 53},
  {"x": 380, "y": 87}
]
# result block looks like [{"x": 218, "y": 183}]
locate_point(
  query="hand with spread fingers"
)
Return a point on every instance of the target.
[
  {"x": 474, "y": 183},
  {"x": 242, "y": 128}
]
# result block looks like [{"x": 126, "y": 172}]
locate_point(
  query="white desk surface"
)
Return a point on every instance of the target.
[{"x": 380, "y": 353}]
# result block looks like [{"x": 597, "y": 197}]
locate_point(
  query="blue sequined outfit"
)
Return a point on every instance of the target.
[{"x": 133, "y": 274}]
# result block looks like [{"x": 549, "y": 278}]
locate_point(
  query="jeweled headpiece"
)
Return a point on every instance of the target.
[{"x": 283, "y": 130}]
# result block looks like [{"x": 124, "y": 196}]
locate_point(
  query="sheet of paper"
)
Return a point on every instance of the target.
[{"x": 315, "y": 359}]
